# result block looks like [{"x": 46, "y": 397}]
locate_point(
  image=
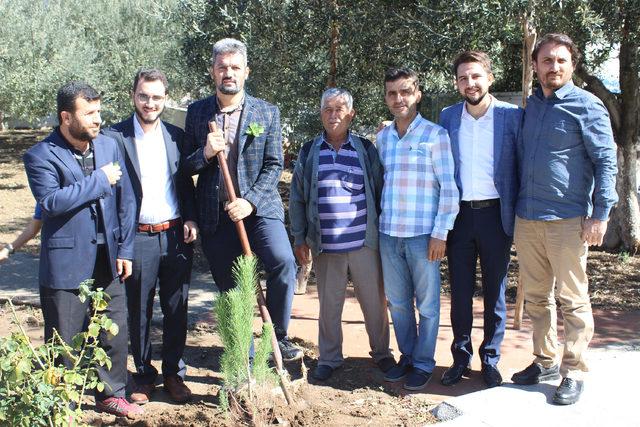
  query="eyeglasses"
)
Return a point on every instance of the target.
[{"x": 144, "y": 98}]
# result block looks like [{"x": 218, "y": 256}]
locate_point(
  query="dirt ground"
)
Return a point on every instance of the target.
[
  {"x": 361, "y": 400},
  {"x": 359, "y": 397}
]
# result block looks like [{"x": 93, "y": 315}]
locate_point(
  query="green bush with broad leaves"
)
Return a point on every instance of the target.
[{"x": 35, "y": 388}]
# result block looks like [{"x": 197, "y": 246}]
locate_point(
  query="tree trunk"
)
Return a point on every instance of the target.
[
  {"x": 333, "y": 45},
  {"x": 627, "y": 185},
  {"x": 624, "y": 224},
  {"x": 528, "y": 42},
  {"x": 529, "y": 36}
]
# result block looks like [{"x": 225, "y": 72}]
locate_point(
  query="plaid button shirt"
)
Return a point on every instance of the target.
[{"x": 420, "y": 195}]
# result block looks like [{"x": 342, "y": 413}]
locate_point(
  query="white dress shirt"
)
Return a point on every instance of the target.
[
  {"x": 159, "y": 199},
  {"x": 476, "y": 156}
]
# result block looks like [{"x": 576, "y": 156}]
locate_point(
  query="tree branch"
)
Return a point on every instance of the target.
[{"x": 595, "y": 86}]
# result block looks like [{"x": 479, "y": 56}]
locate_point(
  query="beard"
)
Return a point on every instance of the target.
[
  {"x": 476, "y": 101},
  {"x": 149, "y": 119},
  {"x": 229, "y": 90},
  {"x": 550, "y": 83},
  {"x": 82, "y": 134}
]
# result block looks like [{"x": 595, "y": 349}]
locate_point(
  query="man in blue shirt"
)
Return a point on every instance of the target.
[{"x": 567, "y": 158}]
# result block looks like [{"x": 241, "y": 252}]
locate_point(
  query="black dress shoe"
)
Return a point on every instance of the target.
[
  {"x": 491, "y": 376},
  {"x": 568, "y": 392},
  {"x": 322, "y": 372},
  {"x": 535, "y": 373},
  {"x": 454, "y": 374}
]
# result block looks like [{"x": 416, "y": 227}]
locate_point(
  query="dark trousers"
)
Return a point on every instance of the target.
[
  {"x": 269, "y": 241},
  {"x": 162, "y": 260},
  {"x": 478, "y": 232},
  {"x": 63, "y": 311}
]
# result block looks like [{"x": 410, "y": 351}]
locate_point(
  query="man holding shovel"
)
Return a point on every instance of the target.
[{"x": 247, "y": 130}]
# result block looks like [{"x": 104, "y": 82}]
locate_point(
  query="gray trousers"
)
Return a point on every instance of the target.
[{"x": 332, "y": 271}]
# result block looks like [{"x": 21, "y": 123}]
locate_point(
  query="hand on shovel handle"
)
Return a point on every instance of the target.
[{"x": 215, "y": 141}]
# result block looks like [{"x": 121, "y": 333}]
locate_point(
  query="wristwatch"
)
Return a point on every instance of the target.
[{"x": 10, "y": 248}]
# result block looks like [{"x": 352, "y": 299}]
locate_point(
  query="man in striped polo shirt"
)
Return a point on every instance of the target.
[
  {"x": 419, "y": 207},
  {"x": 333, "y": 207}
]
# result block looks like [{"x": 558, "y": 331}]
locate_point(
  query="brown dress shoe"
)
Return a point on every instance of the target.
[
  {"x": 142, "y": 393},
  {"x": 179, "y": 392}
]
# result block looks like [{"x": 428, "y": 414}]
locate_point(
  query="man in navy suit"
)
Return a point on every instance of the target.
[
  {"x": 163, "y": 254},
  {"x": 248, "y": 131},
  {"x": 79, "y": 180},
  {"x": 483, "y": 134}
]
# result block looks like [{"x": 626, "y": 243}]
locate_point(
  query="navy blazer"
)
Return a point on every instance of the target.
[
  {"x": 506, "y": 127},
  {"x": 124, "y": 134},
  {"x": 68, "y": 249},
  {"x": 260, "y": 160}
]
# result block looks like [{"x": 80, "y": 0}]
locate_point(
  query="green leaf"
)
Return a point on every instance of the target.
[
  {"x": 78, "y": 340},
  {"x": 69, "y": 377},
  {"x": 100, "y": 356},
  {"x": 106, "y": 323},
  {"x": 73, "y": 395},
  {"x": 79, "y": 379},
  {"x": 22, "y": 367},
  {"x": 114, "y": 329},
  {"x": 101, "y": 305},
  {"x": 94, "y": 330},
  {"x": 255, "y": 129},
  {"x": 100, "y": 386}
]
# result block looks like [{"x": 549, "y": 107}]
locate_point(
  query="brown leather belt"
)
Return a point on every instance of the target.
[
  {"x": 480, "y": 204},
  {"x": 157, "y": 228}
]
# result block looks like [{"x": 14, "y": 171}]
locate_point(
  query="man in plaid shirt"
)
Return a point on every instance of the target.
[
  {"x": 248, "y": 131},
  {"x": 419, "y": 207}
]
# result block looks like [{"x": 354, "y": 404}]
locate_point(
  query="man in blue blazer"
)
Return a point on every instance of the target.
[
  {"x": 248, "y": 131},
  {"x": 483, "y": 134},
  {"x": 163, "y": 253},
  {"x": 80, "y": 181}
]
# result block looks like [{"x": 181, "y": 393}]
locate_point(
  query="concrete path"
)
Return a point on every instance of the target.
[
  {"x": 19, "y": 281},
  {"x": 609, "y": 399}
]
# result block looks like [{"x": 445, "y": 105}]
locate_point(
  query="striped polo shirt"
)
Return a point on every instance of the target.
[{"x": 342, "y": 205}]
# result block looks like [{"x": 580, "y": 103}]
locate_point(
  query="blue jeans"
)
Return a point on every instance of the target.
[{"x": 408, "y": 273}]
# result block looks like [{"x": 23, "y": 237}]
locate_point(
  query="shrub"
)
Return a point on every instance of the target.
[{"x": 35, "y": 388}]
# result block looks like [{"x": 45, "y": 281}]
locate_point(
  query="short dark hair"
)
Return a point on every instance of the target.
[
  {"x": 68, "y": 93},
  {"x": 561, "y": 39},
  {"x": 150, "y": 75},
  {"x": 472, "y": 56},
  {"x": 394, "y": 74}
]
